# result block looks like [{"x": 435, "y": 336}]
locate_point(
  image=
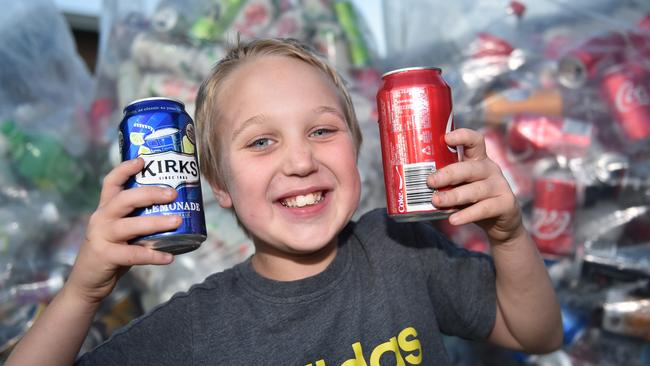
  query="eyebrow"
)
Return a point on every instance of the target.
[
  {"x": 260, "y": 118},
  {"x": 328, "y": 109},
  {"x": 251, "y": 121}
]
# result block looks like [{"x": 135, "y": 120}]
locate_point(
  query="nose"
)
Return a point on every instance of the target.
[{"x": 299, "y": 159}]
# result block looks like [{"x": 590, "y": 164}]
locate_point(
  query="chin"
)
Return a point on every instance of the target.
[
  {"x": 308, "y": 245},
  {"x": 313, "y": 248}
]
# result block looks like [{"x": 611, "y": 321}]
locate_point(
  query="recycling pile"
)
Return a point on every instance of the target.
[{"x": 561, "y": 92}]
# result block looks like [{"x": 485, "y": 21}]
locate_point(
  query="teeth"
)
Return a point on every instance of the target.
[{"x": 303, "y": 200}]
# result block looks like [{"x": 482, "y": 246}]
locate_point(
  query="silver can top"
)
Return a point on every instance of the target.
[{"x": 411, "y": 69}]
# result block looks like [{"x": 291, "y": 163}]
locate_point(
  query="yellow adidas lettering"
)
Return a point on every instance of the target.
[
  {"x": 406, "y": 341},
  {"x": 358, "y": 359},
  {"x": 390, "y": 346}
]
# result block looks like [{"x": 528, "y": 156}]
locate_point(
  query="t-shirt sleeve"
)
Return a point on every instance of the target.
[
  {"x": 161, "y": 337},
  {"x": 461, "y": 284}
]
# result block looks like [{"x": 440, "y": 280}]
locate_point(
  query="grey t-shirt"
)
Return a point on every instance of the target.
[{"x": 384, "y": 300}]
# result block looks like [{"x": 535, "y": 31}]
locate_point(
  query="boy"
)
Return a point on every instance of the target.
[{"x": 279, "y": 141}]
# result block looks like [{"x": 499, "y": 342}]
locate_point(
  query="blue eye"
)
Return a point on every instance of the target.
[
  {"x": 260, "y": 143},
  {"x": 322, "y": 132}
]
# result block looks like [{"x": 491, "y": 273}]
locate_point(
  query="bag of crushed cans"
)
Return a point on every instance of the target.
[
  {"x": 561, "y": 91},
  {"x": 46, "y": 180}
]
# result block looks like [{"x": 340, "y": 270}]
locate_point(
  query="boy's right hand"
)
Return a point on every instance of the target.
[{"x": 105, "y": 255}]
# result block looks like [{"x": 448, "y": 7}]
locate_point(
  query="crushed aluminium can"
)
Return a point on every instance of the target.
[
  {"x": 530, "y": 135},
  {"x": 415, "y": 113},
  {"x": 160, "y": 131},
  {"x": 588, "y": 60}
]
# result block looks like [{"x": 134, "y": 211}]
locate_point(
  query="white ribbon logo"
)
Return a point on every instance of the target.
[{"x": 450, "y": 122}]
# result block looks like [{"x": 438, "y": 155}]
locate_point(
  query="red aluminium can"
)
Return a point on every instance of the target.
[
  {"x": 586, "y": 61},
  {"x": 530, "y": 135},
  {"x": 554, "y": 209},
  {"x": 625, "y": 87},
  {"x": 415, "y": 113},
  {"x": 518, "y": 179}
]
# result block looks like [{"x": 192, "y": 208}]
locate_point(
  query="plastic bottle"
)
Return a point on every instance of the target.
[{"x": 40, "y": 159}]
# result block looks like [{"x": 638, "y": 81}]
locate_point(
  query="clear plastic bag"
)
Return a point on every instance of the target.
[
  {"x": 560, "y": 90},
  {"x": 44, "y": 148}
]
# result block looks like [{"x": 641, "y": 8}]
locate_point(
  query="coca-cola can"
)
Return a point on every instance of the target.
[
  {"x": 488, "y": 45},
  {"x": 518, "y": 179},
  {"x": 554, "y": 207},
  {"x": 415, "y": 113},
  {"x": 532, "y": 135},
  {"x": 625, "y": 87},
  {"x": 584, "y": 62}
]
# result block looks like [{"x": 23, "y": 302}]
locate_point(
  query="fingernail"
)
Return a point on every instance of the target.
[
  {"x": 173, "y": 219},
  {"x": 432, "y": 179},
  {"x": 167, "y": 257},
  {"x": 169, "y": 192}
]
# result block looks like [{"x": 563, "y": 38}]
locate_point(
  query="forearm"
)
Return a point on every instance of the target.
[
  {"x": 58, "y": 333},
  {"x": 525, "y": 295}
]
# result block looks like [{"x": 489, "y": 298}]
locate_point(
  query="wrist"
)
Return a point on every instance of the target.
[
  {"x": 76, "y": 297},
  {"x": 515, "y": 236}
]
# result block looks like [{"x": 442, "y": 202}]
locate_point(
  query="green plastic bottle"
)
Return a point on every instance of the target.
[{"x": 40, "y": 160}]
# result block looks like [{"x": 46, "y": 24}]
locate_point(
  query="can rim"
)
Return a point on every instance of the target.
[
  {"x": 572, "y": 72},
  {"x": 152, "y": 99},
  {"x": 404, "y": 69}
]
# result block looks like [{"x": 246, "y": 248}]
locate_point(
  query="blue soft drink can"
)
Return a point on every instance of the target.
[{"x": 160, "y": 131}]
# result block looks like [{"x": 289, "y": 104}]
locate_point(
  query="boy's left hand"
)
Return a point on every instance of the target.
[{"x": 480, "y": 191}]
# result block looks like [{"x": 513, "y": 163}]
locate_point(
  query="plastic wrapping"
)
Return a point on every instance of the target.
[
  {"x": 560, "y": 90},
  {"x": 47, "y": 177}
]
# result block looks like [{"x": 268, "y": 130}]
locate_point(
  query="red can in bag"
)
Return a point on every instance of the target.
[{"x": 554, "y": 207}]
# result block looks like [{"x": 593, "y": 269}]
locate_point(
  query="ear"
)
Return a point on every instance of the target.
[{"x": 223, "y": 197}]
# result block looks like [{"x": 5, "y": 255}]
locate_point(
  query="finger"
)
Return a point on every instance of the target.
[
  {"x": 473, "y": 142},
  {"x": 489, "y": 208},
  {"x": 465, "y": 194},
  {"x": 130, "y": 255},
  {"x": 132, "y": 227},
  {"x": 128, "y": 200},
  {"x": 114, "y": 181},
  {"x": 461, "y": 172}
]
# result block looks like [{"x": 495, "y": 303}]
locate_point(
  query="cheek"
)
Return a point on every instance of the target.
[
  {"x": 248, "y": 179},
  {"x": 343, "y": 162}
]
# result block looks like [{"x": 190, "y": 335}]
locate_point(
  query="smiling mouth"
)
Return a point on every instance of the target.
[{"x": 303, "y": 200}]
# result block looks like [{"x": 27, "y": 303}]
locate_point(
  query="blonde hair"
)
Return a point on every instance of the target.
[{"x": 207, "y": 112}]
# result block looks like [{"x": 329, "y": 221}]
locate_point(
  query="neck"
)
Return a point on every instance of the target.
[{"x": 276, "y": 265}]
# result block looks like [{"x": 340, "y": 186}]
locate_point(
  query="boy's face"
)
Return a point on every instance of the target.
[{"x": 288, "y": 157}]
